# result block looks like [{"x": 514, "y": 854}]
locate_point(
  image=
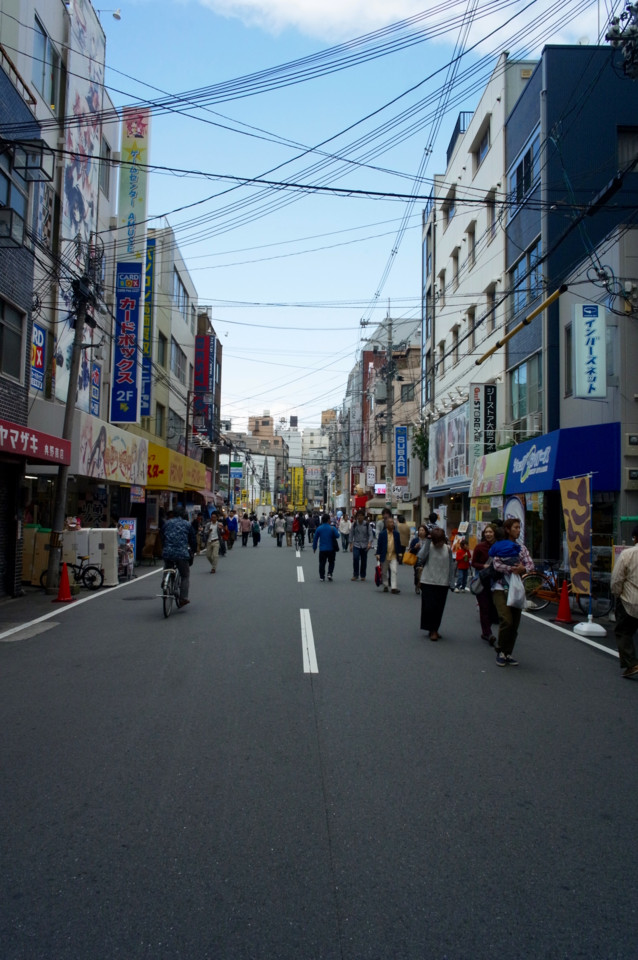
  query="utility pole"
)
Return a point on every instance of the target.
[
  {"x": 59, "y": 509},
  {"x": 389, "y": 374}
]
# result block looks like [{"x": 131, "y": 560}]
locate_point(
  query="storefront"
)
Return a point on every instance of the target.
[
  {"x": 22, "y": 450},
  {"x": 486, "y": 491},
  {"x": 532, "y": 491},
  {"x": 449, "y": 462}
]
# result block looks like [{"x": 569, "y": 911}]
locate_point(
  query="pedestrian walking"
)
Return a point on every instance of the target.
[
  {"x": 213, "y": 541},
  {"x": 232, "y": 527},
  {"x": 388, "y": 549},
  {"x": 624, "y": 586},
  {"x": 255, "y": 530},
  {"x": 361, "y": 540},
  {"x": 437, "y": 579},
  {"x": 344, "y": 532},
  {"x": 508, "y": 557},
  {"x": 463, "y": 558},
  {"x": 415, "y": 547},
  {"x": 245, "y": 525},
  {"x": 279, "y": 528},
  {"x": 327, "y": 539},
  {"x": 179, "y": 545},
  {"x": 404, "y": 534},
  {"x": 289, "y": 521},
  {"x": 480, "y": 559}
]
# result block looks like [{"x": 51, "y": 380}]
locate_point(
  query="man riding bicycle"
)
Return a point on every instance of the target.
[{"x": 178, "y": 538}]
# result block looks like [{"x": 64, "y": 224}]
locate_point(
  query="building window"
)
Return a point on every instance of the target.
[
  {"x": 448, "y": 208},
  {"x": 490, "y": 207},
  {"x": 105, "y": 168},
  {"x": 11, "y": 352},
  {"x": 490, "y": 297},
  {"x": 191, "y": 374},
  {"x": 442, "y": 288},
  {"x": 480, "y": 152},
  {"x": 569, "y": 386},
  {"x": 160, "y": 420},
  {"x": 455, "y": 345},
  {"x": 471, "y": 328},
  {"x": 13, "y": 196},
  {"x": 178, "y": 361},
  {"x": 526, "y": 388},
  {"x": 455, "y": 268},
  {"x": 441, "y": 364},
  {"x": 526, "y": 283},
  {"x": 46, "y": 69},
  {"x": 471, "y": 245},
  {"x": 407, "y": 392},
  {"x": 193, "y": 317},
  {"x": 627, "y": 146},
  {"x": 180, "y": 295},
  {"x": 162, "y": 344},
  {"x": 176, "y": 428},
  {"x": 524, "y": 175}
]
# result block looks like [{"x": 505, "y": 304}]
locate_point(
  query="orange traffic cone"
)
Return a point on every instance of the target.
[
  {"x": 564, "y": 613},
  {"x": 64, "y": 591}
]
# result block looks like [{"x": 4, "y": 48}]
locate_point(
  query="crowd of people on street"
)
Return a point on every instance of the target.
[{"x": 493, "y": 569}]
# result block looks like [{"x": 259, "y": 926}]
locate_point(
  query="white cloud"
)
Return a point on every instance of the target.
[{"x": 329, "y": 19}]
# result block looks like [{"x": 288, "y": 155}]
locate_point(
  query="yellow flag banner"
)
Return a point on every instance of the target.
[{"x": 576, "y": 501}]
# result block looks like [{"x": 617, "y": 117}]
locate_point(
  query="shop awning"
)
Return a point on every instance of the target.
[
  {"x": 540, "y": 463},
  {"x": 21, "y": 441}
]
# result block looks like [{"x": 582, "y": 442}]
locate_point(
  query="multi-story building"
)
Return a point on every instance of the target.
[{"x": 553, "y": 217}]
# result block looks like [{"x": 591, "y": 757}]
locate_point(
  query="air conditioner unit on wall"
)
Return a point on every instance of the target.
[{"x": 533, "y": 423}]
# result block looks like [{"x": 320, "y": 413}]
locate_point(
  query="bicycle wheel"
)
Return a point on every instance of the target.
[
  {"x": 538, "y": 591},
  {"x": 168, "y": 587},
  {"x": 92, "y": 578},
  {"x": 600, "y": 603}
]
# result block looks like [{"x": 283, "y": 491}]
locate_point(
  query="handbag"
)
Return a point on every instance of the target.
[
  {"x": 409, "y": 559},
  {"x": 476, "y": 585},
  {"x": 378, "y": 575},
  {"x": 516, "y": 592}
]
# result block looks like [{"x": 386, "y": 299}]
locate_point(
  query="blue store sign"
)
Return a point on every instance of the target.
[{"x": 538, "y": 464}]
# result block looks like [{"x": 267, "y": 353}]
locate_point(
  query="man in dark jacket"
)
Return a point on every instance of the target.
[
  {"x": 179, "y": 539},
  {"x": 328, "y": 540}
]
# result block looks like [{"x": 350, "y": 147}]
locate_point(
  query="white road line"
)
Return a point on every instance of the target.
[
  {"x": 308, "y": 644},
  {"x": 574, "y": 636},
  {"x": 298, "y": 554},
  {"x": 63, "y": 607},
  {"x": 300, "y": 578}
]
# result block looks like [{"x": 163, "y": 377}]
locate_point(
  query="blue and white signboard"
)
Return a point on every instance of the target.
[
  {"x": 532, "y": 464},
  {"x": 400, "y": 452},
  {"x": 38, "y": 340},
  {"x": 125, "y": 391},
  {"x": 590, "y": 351}
]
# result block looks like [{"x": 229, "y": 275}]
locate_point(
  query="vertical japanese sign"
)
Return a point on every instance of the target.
[
  {"x": 96, "y": 376},
  {"x": 204, "y": 384},
  {"x": 590, "y": 351},
  {"x": 400, "y": 453},
  {"x": 37, "y": 357},
  {"x": 482, "y": 419},
  {"x": 125, "y": 392},
  {"x": 147, "y": 330},
  {"x": 133, "y": 184},
  {"x": 576, "y": 499},
  {"x": 297, "y": 487}
]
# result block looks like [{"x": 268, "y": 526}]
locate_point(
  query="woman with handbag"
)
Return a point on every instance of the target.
[
  {"x": 508, "y": 557},
  {"x": 437, "y": 579},
  {"x": 481, "y": 560},
  {"x": 412, "y": 552}
]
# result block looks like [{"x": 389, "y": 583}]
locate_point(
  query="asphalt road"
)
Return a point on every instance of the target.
[{"x": 225, "y": 784}]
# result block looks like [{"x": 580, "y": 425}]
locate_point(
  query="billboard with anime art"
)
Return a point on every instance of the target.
[
  {"x": 83, "y": 133},
  {"x": 449, "y": 450}
]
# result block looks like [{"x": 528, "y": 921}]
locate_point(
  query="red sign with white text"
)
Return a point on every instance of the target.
[{"x": 15, "y": 438}]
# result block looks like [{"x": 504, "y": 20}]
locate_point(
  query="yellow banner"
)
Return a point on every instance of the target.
[
  {"x": 297, "y": 488},
  {"x": 576, "y": 501},
  {"x": 194, "y": 474}
]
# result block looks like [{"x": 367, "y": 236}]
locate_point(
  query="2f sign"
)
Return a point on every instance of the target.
[{"x": 590, "y": 351}]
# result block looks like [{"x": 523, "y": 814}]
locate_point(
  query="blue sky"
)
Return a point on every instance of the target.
[{"x": 316, "y": 259}]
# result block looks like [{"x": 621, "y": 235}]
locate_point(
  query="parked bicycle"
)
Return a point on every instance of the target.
[
  {"x": 86, "y": 574},
  {"x": 544, "y": 587},
  {"x": 171, "y": 585}
]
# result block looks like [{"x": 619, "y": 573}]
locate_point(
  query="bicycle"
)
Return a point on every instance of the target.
[
  {"x": 171, "y": 585},
  {"x": 87, "y": 574},
  {"x": 544, "y": 587}
]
